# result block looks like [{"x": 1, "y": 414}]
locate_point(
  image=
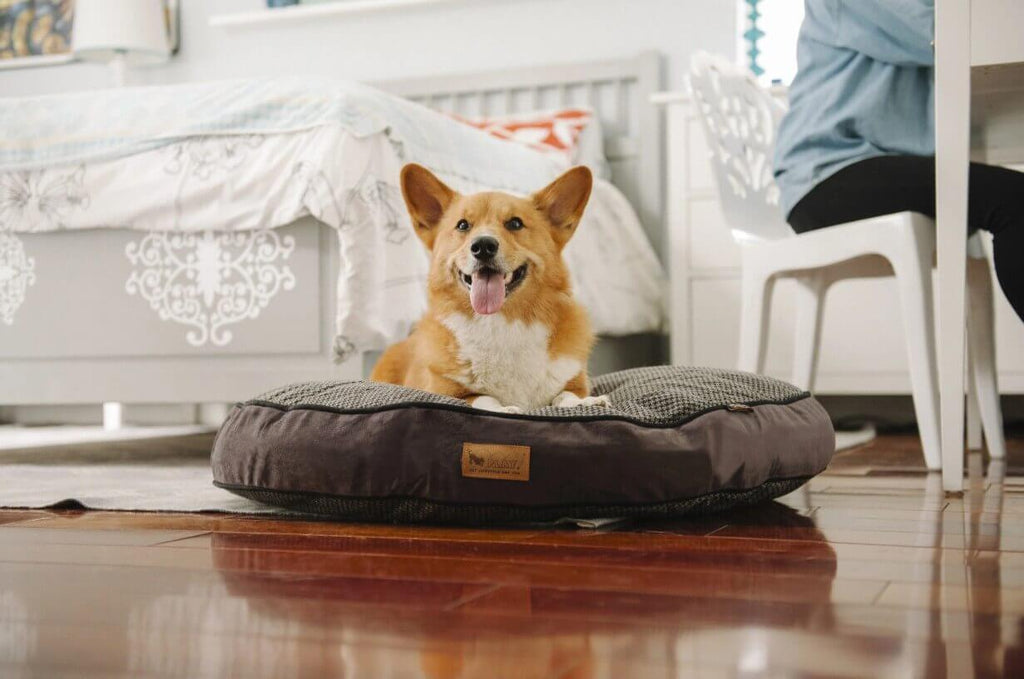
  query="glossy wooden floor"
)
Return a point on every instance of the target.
[{"x": 871, "y": 571}]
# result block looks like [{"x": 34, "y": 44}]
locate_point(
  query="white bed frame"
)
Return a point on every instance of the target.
[{"x": 85, "y": 341}]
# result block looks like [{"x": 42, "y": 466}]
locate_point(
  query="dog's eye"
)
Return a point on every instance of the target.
[
  {"x": 514, "y": 224},
  {"x": 463, "y": 225}
]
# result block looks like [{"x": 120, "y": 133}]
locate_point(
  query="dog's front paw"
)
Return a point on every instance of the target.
[
  {"x": 494, "y": 405},
  {"x": 602, "y": 401},
  {"x": 567, "y": 399}
]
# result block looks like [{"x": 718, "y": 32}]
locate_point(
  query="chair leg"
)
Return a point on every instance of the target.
[
  {"x": 913, "y": 266},
  {"x": 974, "y": 439},
  {"x": 982, "y": 353},
  {"x": 755, "y": 306},
  {"x": 807, "y": 338},
  {"x": 113, "y": 416}
]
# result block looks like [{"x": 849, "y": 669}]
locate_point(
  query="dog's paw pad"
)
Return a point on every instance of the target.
[{"x": 601, "y": 401}]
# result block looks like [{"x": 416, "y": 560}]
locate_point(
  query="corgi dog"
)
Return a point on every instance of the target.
[{"x": 502, "y": 330}]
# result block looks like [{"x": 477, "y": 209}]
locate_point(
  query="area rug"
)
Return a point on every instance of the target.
[{"x": 169, "y": 474}]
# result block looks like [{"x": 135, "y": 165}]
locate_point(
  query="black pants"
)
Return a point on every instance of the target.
[{"x": 887, "y": 184}]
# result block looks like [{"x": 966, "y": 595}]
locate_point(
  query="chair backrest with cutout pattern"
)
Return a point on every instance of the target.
[{"x": 740, "y": 119}]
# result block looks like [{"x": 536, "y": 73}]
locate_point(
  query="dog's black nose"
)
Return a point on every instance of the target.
[{"x": 484, "y": 247}]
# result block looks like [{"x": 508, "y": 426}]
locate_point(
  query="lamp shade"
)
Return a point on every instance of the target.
[{"x": 136, "y": 29}]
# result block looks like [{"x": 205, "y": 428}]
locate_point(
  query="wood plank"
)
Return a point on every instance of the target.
[
  {"x": 8, "y": 516},
  {"x": 27, "y": 534}
]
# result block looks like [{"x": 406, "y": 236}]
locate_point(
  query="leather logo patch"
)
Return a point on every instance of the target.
[{"x": 495, "y": 461}]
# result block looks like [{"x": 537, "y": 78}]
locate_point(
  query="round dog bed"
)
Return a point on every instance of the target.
[{"x": 675, "y": 441}]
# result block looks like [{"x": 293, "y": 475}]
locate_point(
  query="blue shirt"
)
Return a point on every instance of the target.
[{"x": 864, "y": 87}]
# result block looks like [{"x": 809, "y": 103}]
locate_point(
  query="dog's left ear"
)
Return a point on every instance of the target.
[
  {"x": 563, "y": 201},
  {"x": 427, "y": 199}
]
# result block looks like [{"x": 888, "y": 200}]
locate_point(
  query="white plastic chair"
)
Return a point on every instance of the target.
[{"x": 740, "y": 119}]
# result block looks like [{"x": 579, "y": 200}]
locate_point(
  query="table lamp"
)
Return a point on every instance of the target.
[{"x": 121, "y": 33}]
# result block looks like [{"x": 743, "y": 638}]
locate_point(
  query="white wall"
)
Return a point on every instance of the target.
[{"x": 468, "y": 36}]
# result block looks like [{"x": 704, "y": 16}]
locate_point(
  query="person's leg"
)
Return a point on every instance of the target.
[
  {"x": 1008, "y": 253},
  {"x": 996, "y": 204},
  {"x": 869, "y": 188},
  {"x": 888, "y": 184}
]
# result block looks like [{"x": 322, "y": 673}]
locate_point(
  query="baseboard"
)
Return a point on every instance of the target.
[{"x": 167, "y": 414}]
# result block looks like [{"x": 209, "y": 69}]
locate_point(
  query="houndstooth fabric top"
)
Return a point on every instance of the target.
[{"x": 660, "y": 395}]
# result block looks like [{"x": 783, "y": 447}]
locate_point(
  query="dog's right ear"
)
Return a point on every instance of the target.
[{"x": 426, "y": 198}]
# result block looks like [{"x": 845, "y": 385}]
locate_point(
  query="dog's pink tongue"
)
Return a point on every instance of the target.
[{"x": 487, "y": 293}]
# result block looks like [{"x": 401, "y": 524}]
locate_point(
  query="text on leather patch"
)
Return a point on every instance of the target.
[{"x": 495, "y": 461}]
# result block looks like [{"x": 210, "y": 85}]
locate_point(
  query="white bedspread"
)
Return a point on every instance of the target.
[{"x": 344, "y": 175}]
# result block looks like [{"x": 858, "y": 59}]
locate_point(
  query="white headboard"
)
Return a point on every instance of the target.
[{"x": 618, "y": 91}]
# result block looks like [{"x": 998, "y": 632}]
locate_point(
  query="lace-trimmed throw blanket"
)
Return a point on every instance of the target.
[{"x": 258, "y": 155}]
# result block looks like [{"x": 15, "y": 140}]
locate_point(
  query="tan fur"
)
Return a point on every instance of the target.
[{"x": 432, "y": 358}]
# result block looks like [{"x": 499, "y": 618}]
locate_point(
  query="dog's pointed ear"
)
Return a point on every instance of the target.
[
  {"x": 426, "y": 198},
  {"x": 563, "y": 201}
]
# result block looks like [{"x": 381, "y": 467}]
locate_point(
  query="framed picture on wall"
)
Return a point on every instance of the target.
[
  {"x": 39, "y": 32},
  {"x": 35, "y": 32}
]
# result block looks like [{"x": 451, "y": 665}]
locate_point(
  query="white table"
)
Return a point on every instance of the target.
[{"x": 982, "y": 34}]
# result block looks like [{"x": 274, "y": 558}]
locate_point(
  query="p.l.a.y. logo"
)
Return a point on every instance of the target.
[{"x": 496, "y": 461}]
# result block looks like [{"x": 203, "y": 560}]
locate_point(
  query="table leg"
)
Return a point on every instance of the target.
[{"x": 952, "y": 156}]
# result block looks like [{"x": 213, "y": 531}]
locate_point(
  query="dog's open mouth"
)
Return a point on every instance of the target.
[{"x": 488, "y": 287}]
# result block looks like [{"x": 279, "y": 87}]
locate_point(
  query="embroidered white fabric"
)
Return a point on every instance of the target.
[
  {"x": 347, "y": 181},
  {"x": 86, "y": 127}
]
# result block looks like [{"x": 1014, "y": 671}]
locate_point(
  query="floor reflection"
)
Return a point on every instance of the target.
[
  {"x": 955, "y": 616},
  {"x": 532, "y": 621},
  {"x": 992, "y": 653},
  {"x": 101, "y": 617}
]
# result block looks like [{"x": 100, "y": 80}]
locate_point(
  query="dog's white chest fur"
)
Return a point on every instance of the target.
[{"x": 509, "y": 360}]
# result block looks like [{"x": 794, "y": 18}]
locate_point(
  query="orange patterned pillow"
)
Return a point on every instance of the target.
[{"x": 554, "y": 132}]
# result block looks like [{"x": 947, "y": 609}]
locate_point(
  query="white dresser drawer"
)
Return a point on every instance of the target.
[
  {"x": 868, "y": 342},
  {"x": 716, "y": 325},
  {"x": 711, "y": 243}
]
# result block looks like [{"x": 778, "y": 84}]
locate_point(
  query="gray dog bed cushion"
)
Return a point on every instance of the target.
[{"x": 675, "y": 441}]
